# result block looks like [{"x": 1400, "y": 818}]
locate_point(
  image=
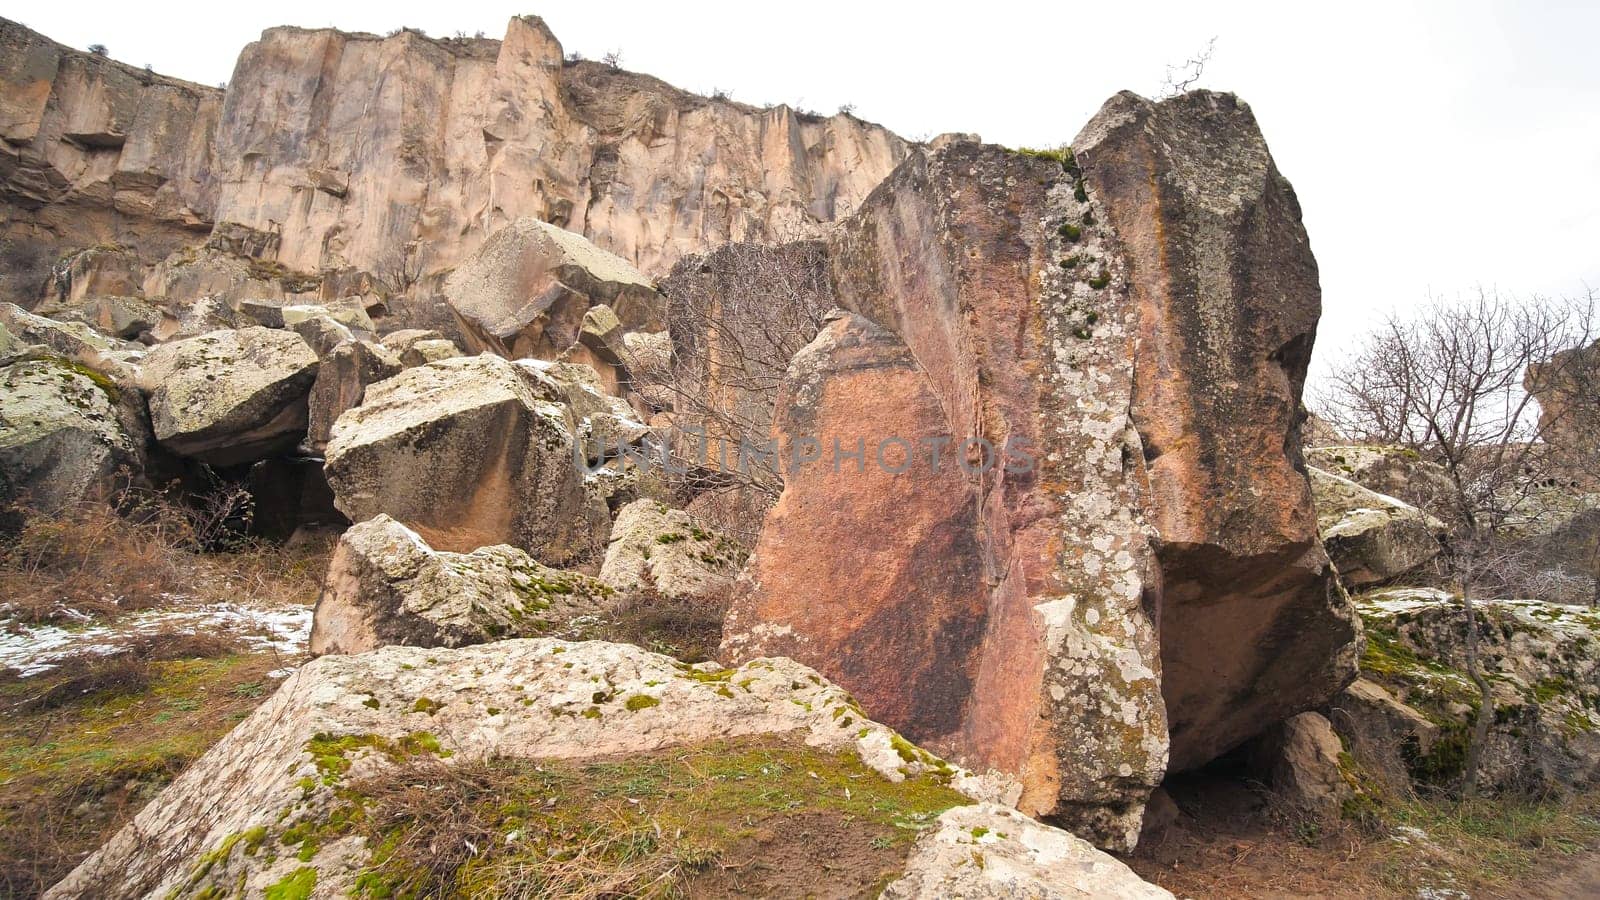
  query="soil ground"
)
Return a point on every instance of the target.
[{"x": 1229, "y": 840}]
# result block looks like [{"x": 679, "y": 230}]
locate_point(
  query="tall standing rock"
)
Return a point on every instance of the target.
[
  {"x": 1221, "y": 273},
  {"x": 998, "y": 606},
  {"x": 1137, "y": 322}
]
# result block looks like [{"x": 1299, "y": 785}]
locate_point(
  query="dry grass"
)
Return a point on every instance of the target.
[
  {"x": 84, "y": 747},
  {"x": 93, "y": 562},
  {"x": 688, "y": 629}
]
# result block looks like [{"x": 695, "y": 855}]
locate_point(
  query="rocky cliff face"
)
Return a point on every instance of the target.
[
  {"x": 96, "y": 152},
  {"x": 398, "y": 156}
]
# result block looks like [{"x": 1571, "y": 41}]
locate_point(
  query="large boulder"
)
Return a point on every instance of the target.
[
  {"x": 973, "y": 563},
  {"x": 386, "y": 586},
  {"x": 230, "y": 397},
  {"x": 1371, "y": 538},
  {"x": 527, "y": 291},
  {"x": 64, "y": 433},
  {"x": 1254, "y": 626},
  {"x": 1078, "y": 316},
  {"x": 988, "y": 852},
  {"x": 274, "y": 808},
  {"x": 341, "y": 383},
  {"x": 75, "y": 341},
  {"x": 606, "y": 424},
  {"x": 123, "y": 317},
  {"x": 655, "y": 548},
  {"x": 469, "y": 451},
  {"x": 1392, "y": 471},
  {"x": 1545, "y": 678}
]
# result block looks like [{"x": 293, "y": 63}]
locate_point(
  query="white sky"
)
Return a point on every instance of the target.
[{"x": 1435, "y": 147}]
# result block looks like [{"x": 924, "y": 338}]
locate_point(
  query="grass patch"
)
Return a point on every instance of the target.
[
  {"x": 79, "y": 757},
  {"x": 747, "y": 817},
  {"x": 1485, "y": 844}
]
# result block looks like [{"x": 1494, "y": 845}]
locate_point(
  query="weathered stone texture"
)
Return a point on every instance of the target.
[
  {"x": 1220, "y": 270},
  {"x": 469, "y": 451},
  {"x": 386, "y": 586},
  {"x": 1005, "y": 615},
  {"x": 230, "y": 396}
]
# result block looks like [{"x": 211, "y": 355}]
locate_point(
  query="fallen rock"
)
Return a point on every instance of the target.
[
  {"x": 350, "y": 315},
  {"x": 1392, "y": 471},
  {"x": 989, "y": 851},
  {"x": 1371, "y": 538},
  {"x": 1300, "y": 758},
  {"x": 123, "y": 317},
  {"x": 341, "y": 383},
  {"x": 75, "y": 341},
  {"x": 323, "y": 334},
  {"x": 386, "y": 586},
  {"x": 606, "y": 423},
  {"x": 1004, "y": 618},
  {"x": 528, "y": 291},
  {"x": 655, "y": 548},
  {"x": 400, "y": 341},
  {"x": 420, "y": 353},
  {"x": 1540, "y": 662},
  {"x": 229, "y": 397},
  {"x": 63, "y": 435},
  {"x": 1254, "y": 626},
  {"x": 1381, "y": 732},
  {"x": 269, "y": 805},
  {"x": 468, "y": 452}
]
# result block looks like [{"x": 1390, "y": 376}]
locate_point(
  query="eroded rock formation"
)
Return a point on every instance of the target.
[
  {"x": 343, "y": 164},
  {"x": 94, "y": 152},
  {"x": 1222, "y": 276},
  {"x": 998, "y": 606}
]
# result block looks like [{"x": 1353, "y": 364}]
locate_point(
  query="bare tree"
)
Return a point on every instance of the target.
[
  {"x": 1455, "y": 384},
  {"x": 613, "y": 59},
  {"x": 739, "y": 314},
  {"x": 1183, "y": 76}
]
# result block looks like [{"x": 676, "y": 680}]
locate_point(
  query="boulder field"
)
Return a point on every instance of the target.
[{"x": 1030, "y": 493}]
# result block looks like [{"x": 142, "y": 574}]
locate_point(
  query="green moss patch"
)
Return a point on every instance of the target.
[
  {"x": 72, "y": 773},
  {"x": 679, "y": 822}
]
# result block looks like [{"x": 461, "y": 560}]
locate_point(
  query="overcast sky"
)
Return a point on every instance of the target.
[{"x": 1436, "y": 147}]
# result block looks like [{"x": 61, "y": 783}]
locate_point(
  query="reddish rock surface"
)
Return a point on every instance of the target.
[
  {"x": 1255, "y": 628},
  {"x": 1143, "y": 324},
  {"x": 998, "y": 615}
]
